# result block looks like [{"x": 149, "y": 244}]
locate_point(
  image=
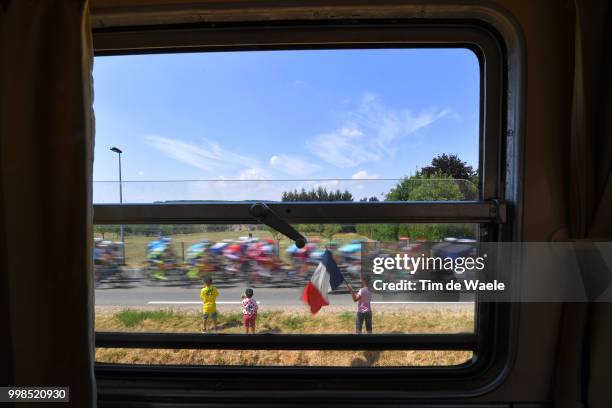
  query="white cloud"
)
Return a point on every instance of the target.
[
  {"x": 371, "y": 133},
  {"x": 208, "y": 156},
  {"x": 141, "y": 173},
  {"x": 363, "y": 175},
  {"x": 292, "y": 165},
  {"x": 233, "y": 189},
  {"x": 344, "y": 147},
  {"x": 253, "y": 173},
  {"x": 327, "y": 184}
]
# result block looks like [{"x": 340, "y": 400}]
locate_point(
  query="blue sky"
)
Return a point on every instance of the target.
[{"x": 356, "y": 115}]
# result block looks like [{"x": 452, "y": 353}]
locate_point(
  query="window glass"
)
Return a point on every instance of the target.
[
  {"x": 268, "y": 125},
  {"x": 319, "y": 125},
  {"x": 155, "y": 282}
]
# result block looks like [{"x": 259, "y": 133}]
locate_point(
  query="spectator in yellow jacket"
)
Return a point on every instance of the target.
[{"x": 209, "y": 294}]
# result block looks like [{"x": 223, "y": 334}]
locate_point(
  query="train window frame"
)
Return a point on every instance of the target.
[{"x": 498, "y": 211}]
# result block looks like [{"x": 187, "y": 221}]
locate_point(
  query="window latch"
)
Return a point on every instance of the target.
[{"x": 264, "y": 214}]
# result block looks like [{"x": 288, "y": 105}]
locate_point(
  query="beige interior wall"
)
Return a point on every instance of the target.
[{"x": 548, "y": 29}]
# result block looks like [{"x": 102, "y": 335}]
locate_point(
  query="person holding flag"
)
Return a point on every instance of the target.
[
  {"x": 326, "y": 277},
  {"x": 363, "y": 297}
]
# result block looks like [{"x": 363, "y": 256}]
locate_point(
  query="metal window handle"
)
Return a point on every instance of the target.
[{"x": 264, "y": 214}]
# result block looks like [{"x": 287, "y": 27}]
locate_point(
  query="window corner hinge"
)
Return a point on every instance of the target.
[{"x": 499, "y": 210}]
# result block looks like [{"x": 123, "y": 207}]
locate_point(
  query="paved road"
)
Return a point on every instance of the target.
[{"x": 229, "y": 297}]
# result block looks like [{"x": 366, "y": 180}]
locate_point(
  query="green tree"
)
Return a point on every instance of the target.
[
  {"x": 329, "y": 230},
  {"x": 450, "y": 165},
  {"x": 379, "y": 232},
  {"x": 317, "y": 194},
  {"x": 312, "y": 228},
  {"x": 429, "y": 187},
  {"x": 425, "y": 187},
  {"x": 436, "y": 232},
  {"x": 103, "y": 230},
  {"x": 276, "y": 236},
  {"x": 372, "y": 199}
]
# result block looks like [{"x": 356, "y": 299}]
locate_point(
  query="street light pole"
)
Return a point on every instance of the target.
[{"x": 121, "y": 238}]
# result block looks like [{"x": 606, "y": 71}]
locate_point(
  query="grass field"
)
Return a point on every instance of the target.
[
  {"x": 135, "y": 245},
  {"x": 434, "y": 320},
  {"x": 305, "y": 358},
  {"x": 279, "y": 322}
]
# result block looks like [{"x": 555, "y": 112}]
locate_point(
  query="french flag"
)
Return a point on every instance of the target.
[{"x": 326, "y": 277}]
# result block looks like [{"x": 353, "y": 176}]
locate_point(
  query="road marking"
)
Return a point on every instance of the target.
[
  {"x": 170, "y": 302},
  {"x": 421, "y": 303}
]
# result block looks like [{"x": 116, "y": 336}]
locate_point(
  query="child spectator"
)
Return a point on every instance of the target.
[
  {"x": 209, "y": 294},
  {"x": 249, "y": 311},
  {"x": 364, "y": 305}
]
